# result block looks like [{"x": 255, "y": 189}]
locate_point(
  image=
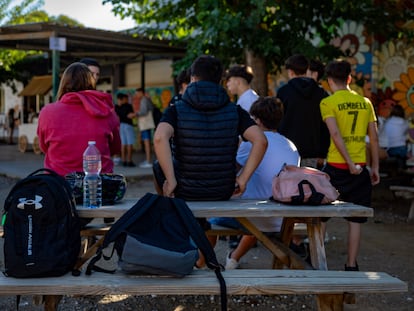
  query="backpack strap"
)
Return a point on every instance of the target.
[
  {"x": 199, "y": 237},
  {"x": 129, "y": 217}
]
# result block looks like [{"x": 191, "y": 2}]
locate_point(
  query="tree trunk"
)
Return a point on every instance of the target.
[{"x": 258, "y": 64}]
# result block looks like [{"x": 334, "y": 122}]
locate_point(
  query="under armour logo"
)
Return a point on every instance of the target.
[{"x": 36, "y": 202}]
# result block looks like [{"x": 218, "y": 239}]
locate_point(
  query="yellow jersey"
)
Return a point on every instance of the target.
[{"x": 353, "y": 113}]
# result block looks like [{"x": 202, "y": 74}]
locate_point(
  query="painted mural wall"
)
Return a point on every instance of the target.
[{"x": 382, "y": 71}]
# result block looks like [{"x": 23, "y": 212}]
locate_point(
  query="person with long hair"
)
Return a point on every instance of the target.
[{"x": 79, "y": 115}]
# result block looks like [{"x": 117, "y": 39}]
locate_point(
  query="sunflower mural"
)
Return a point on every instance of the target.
[
  {"x": 404, "y": 94},
  {"x": 390, "y": 62}
]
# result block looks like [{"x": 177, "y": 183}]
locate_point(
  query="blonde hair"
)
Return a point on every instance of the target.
[{"x": 76, "y": 77}]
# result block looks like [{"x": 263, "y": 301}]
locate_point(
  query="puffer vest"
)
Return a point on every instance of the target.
[{"x": 205, "y": 152}]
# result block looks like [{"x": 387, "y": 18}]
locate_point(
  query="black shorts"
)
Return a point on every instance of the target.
[{"x": 355, "y": 189}]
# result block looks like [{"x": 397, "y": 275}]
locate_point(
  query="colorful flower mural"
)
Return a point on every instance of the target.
[
  {"x": 405, "y": 91},
  {"x": 383, "y": 101},
  {"x": 389, "y": 63},
  {"x": 352, "y": 42}
]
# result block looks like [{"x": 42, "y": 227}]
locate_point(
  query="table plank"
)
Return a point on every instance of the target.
[{"x": 243, "y": 208}]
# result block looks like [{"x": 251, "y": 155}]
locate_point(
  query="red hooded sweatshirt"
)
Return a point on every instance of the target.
[{"x": 66, "y": 126}]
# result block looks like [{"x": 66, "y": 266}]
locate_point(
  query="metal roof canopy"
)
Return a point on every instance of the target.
[{"x": 107, "y": 47}]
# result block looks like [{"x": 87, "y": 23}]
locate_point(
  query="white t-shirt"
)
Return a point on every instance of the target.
[
  {"x": 396, "y": 129},
  {"x": 382, "y": 135},
  {"x": 280, "y": 150},
  {"x": 247, "y": 99}
]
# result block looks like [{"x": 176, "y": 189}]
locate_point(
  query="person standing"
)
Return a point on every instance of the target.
[
  {"x": 126, "y": 114},
  {"x": 93, "y": 66},
  {"x": 302, "y": 122},
  {"x": 145, "y": 124},
  {"x": 350, "y": 117},
  {"x": 79, "y": 115},
  {"x": 11, "y": 124},
  {"x": 316, "y": 70},
  {"x": 183, "y": 80},
  {"x": 238, "y": 82}
]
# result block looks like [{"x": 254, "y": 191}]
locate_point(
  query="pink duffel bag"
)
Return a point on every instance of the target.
[{"x": 303, "y": 185}]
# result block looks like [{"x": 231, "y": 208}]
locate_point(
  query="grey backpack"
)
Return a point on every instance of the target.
[{"x": 158, "y": 235}]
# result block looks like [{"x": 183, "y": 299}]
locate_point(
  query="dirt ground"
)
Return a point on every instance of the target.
[{"x": 387, "y": 246}]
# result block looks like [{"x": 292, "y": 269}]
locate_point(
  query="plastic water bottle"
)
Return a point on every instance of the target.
[{"x": 92, "y": 182}]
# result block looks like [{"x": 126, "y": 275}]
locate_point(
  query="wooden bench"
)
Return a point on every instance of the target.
[
  {"x": 329, "y": 287},
  {"x": 405, "y": 192}
]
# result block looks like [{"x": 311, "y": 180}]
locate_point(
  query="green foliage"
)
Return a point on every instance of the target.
[
  {"x": 271, "y": 29},
  {"x": 13, "y": 63}
]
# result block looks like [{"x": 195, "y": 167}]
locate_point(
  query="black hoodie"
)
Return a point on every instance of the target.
[{"x": 302, "y": 121}]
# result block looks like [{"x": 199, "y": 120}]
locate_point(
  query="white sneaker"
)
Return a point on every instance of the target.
[
  {"x": 231, "y": 263},
  {"x": 145, "y": 164}
]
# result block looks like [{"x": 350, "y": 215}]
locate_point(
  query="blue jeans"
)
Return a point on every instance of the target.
[
  {"x": 400, "y": 153},
  {"x": 228, "y": 222}
]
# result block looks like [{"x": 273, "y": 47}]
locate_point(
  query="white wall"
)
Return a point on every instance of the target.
[
  {"x": 157, "y": 73},
  {"x": 11, "y": 99}
]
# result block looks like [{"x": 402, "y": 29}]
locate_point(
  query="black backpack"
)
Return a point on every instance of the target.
[
  {"x": 41, "y": 227},
  {"x": 158, "y": 235},
  {"x": 156, "y": 115}
]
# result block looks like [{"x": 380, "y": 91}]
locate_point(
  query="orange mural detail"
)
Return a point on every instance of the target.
[{"x": 405, "y": 91}]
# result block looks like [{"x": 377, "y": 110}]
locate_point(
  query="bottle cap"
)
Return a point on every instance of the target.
[{"x": 91, "y": 142}]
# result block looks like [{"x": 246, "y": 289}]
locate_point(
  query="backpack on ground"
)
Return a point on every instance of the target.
[
  {"x": 158, "y": 235},
  {"x": 41, "y": 227}
]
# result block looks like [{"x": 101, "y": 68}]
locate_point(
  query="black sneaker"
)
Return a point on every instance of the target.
[
  {"x": 299, "y": 249},
  {"x": 124, "y": 163},
  {"x": 131, "y": 164},
  {"x": 356, "y": 268}
]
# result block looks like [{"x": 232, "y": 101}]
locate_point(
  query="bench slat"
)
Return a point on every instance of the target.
[{"x": 239, "y": 282}]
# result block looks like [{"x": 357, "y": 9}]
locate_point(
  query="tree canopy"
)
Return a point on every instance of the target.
[
  {"x": 266, "y": 30},
  {"x": 17, "y": 64}
]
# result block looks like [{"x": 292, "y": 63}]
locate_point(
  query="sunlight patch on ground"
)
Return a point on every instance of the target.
[{"x": 113, "y": 298}]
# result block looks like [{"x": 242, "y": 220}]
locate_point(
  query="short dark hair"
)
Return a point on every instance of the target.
[
  {"x": 269, "y": 110},
  {"x": 397, "y": 111},
  {"x": 338, "y": 70},
  {"x": 298, "y": 63},
  {"x": 183, "y": 77},
  {"x": 90, "y": 62},
  {"x": 317, "y": 66},
  {"x": 241, "y": 71},
  {"x": 207, "y": 68},
  {"x": 121, "y": 95}
]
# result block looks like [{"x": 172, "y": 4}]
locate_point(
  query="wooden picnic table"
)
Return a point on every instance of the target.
[{"x": 242, "y": 209}]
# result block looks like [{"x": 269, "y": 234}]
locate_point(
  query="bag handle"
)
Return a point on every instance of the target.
[
  {"x": 199, "y": 237},
  {"x": 315, "y": 197}
]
